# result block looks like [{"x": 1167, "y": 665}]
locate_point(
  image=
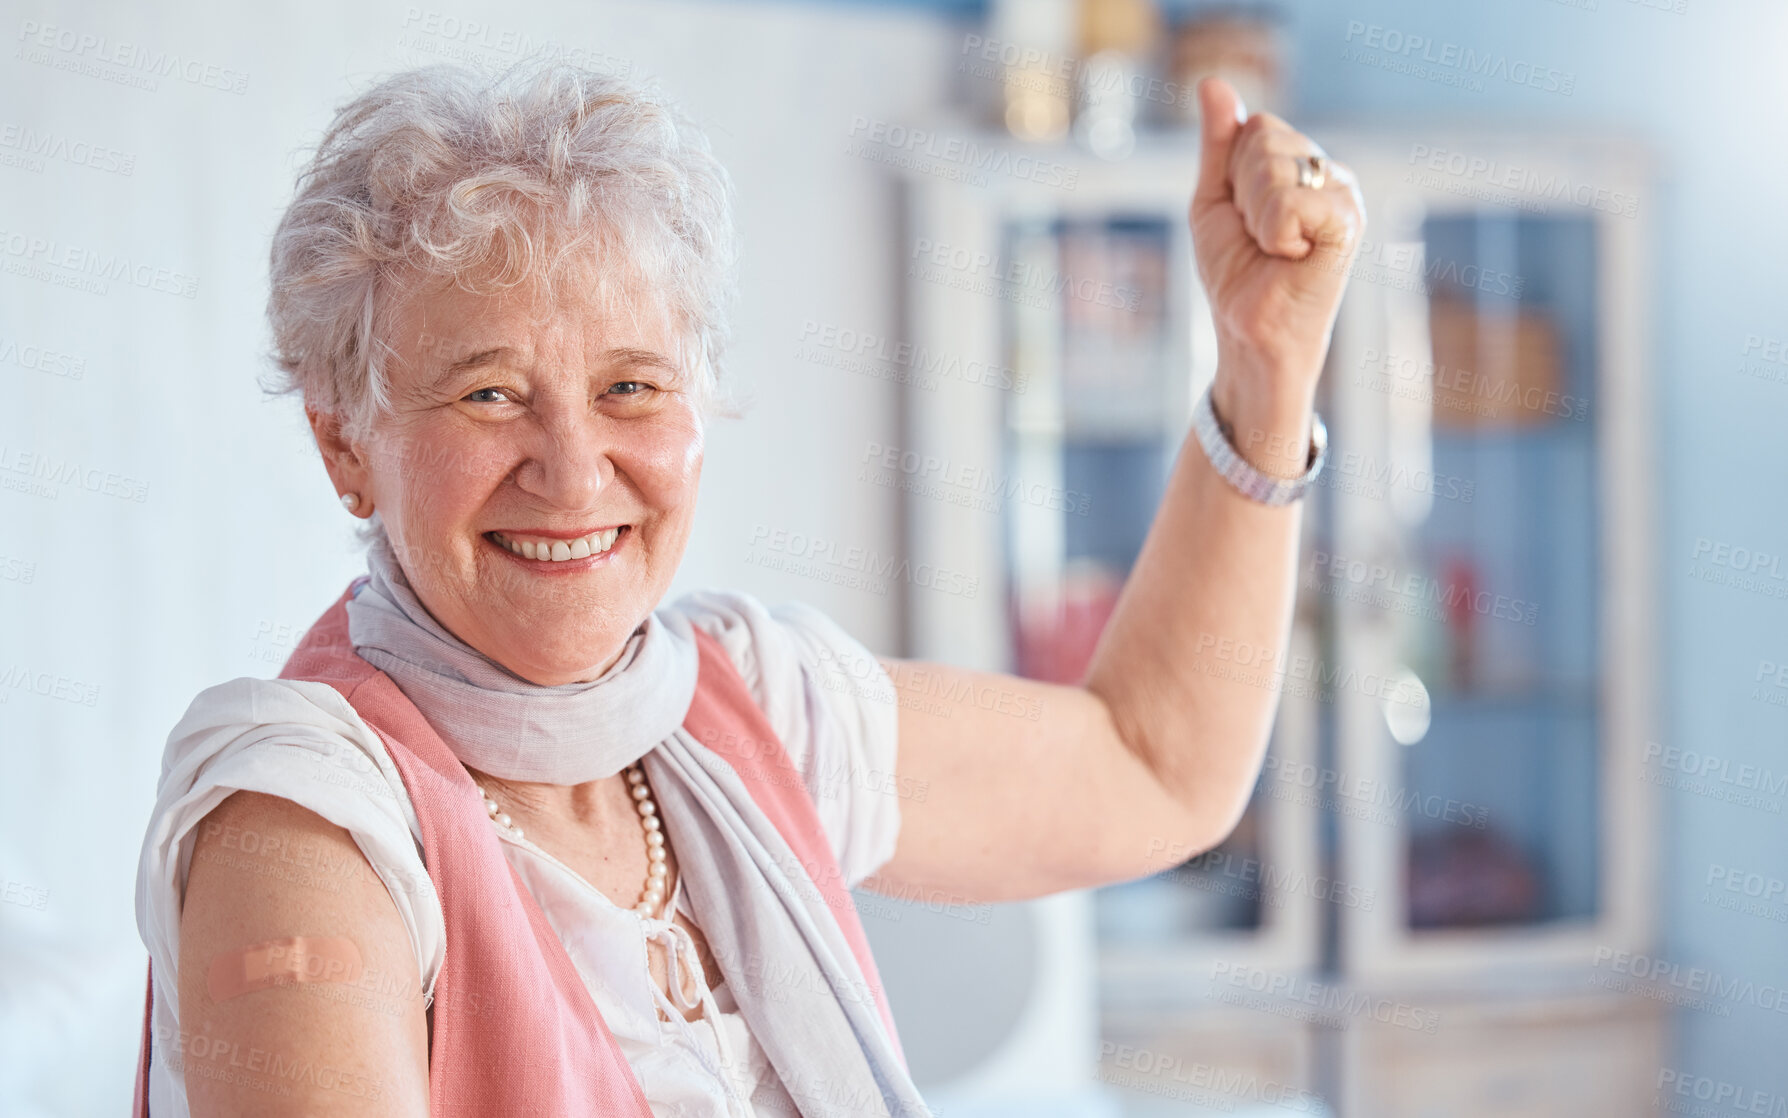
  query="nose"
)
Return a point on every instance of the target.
[{"x": 569, "y": 461}]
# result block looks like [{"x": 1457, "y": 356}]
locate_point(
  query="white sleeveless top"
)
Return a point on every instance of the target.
[{"x": 824, "y": 694}]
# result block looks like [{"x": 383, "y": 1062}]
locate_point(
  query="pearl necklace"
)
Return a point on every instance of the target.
[{"x": 656, "y": 871}]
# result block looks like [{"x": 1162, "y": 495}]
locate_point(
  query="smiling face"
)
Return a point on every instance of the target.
[{"x": 536, "y": 473}]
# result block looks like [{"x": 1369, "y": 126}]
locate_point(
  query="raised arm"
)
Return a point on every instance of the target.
[
  {"x": 1152, "y": 759},
  {"x": 298, "y": 986}
]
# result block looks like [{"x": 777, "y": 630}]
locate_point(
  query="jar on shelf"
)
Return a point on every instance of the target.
[{"x": 1243, "y": 46}]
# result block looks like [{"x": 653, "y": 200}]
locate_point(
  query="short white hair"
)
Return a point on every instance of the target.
[{"x": 443, "y": 172}]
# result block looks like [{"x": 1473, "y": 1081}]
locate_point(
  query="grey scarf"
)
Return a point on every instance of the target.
[{"x": 787, "y": 962}]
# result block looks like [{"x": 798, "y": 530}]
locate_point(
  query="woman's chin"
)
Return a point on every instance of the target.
[{"x": 555, "y": 668}]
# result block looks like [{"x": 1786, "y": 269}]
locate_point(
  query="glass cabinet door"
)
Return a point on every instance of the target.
[
  {"x": 1468, "y": 569},
  {"x": 1504, "y": 806},
  {"x": 1094, "y": 426}
]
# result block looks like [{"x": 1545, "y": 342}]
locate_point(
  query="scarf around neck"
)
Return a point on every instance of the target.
[
  {"x": 790, "y": 967},
  {"x": 497, "y": 722}
]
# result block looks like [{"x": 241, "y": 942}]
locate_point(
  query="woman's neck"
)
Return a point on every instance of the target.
[{"x": 594, "y": 804}]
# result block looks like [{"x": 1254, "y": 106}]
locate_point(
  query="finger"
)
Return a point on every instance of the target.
[
  {"x": 1266, "y": 154},
  {"x": 1221, "y": 114},
  {"x": 1266, "y": 173},
  {"x": 1293, "y": 221},
  {"x": 1346, "y": 212}
]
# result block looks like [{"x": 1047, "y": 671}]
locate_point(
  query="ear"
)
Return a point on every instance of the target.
[{"x": 346, "y": 466}]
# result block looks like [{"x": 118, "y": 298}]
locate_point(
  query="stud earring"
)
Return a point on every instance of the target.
[{"x": 350, "y": 501}]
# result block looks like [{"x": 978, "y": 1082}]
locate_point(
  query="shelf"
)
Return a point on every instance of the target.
[{"x": 1513, "y": 702}]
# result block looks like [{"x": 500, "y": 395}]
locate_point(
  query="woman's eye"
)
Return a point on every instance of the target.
[
  {"x": 486, "y": 396},
  {"x": 629, "y": 387}
]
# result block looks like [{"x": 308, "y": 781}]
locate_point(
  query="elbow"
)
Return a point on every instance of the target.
[
  {"x": 1216, "y": 783},
  {"x": 1227, "y": 797},
  {"x": 1195, "y": 784},
  {"x": 1222, "y": 820},
  {"x": 1206, "y": 808},
  {"x": 1210, "y": 821}
]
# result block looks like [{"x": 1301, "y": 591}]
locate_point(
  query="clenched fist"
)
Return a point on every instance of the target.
[{"x": 1273, "y": 256}]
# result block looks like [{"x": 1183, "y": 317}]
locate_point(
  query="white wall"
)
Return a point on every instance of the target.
[{"x": 237, "y": 542}]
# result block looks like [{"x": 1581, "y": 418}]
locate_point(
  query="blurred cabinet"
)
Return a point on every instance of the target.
[
  {"x": 1486, "y": 547},
  {"x": 1487, "y": 553},
  {"x": 1451, "y": 824},
  {"x": 1528, "y": 1056}
]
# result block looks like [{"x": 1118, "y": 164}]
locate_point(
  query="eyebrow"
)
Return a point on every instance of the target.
[
  {"x": 476, "y": 360},
  {"x": 627, "y": 355},
  {"x": 619, "y": 355}
]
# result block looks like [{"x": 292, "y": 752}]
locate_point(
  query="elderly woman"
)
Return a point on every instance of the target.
[{"x": 510, "y": 835}]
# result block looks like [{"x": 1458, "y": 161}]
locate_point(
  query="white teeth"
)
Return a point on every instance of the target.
[{"x": 560, "y": 551}]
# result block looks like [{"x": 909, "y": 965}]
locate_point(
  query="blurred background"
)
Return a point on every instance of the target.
[{"x": 1519, "y": 847}]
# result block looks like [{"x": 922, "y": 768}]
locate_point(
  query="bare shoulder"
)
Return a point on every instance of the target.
[{"x": 299, "y": 992}]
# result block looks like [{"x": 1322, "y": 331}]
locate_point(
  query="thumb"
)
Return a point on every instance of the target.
[{"x": 1221, "y": 114}]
